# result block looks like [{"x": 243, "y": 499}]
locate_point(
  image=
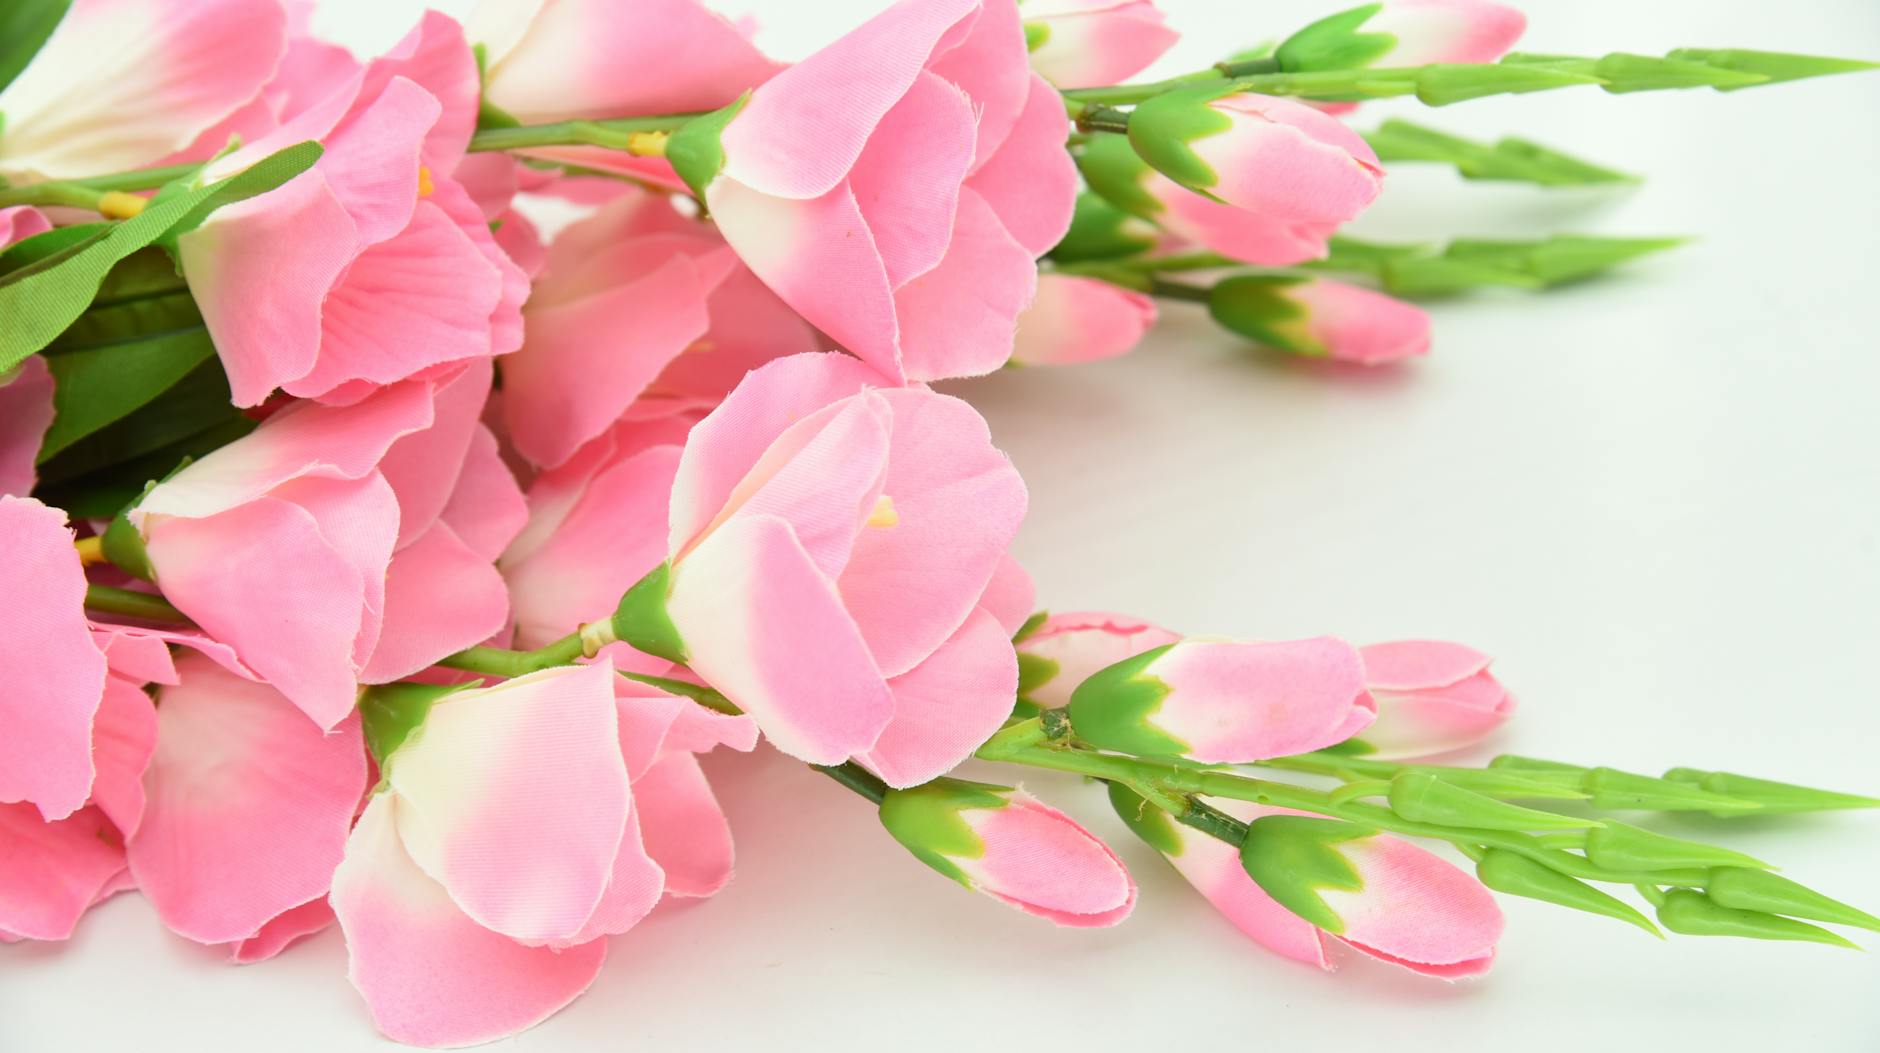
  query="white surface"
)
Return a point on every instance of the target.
[{"x": 1654, "y": 498}]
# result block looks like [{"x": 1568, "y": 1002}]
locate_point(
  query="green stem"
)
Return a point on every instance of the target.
[
  {"x": 856, "y": 778},
  {"x": 1126, "y": 94},
  {"x": 613, "y": 133},
  {"x": 1102, "y": 119},
  {"x": 1178, "y": 291},
  {"x": 85, "y": 193},
  {"x": 496, "y": 661},
  {"x": 131, "y": 604}
]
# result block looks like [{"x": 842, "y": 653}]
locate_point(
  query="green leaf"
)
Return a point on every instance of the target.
[
  {"x": 1292, "y": 857},
  {"x": 1774, "y": 797},
  {"x": 50, "y": 243},
  {"x": 1692, "y": 913},
  {"x": 1507, "y": 160},
  {"x": 108, "y": 490},
  {"x": 1746, "y": 889},
  {"x": 1773, "y": 66},
  {"x": 1447, "y": 83},
  {"x": 1101, "y": 231},
  {"x": 1420, "y": 270},
  {"x": 40, "y": 301},
  {"x": 1619, "y": 846},
  {"x": 1614, "y": 789},
  {"x": 24, "y": 27},
  {"x": 1517, "y": 875},
  {"x": 1424, "y": 798},
  {"x": 194, "y": 404},
  {"x": 98, "y": 386}
]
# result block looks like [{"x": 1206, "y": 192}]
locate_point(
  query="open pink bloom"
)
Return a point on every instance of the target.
[
  {"x": 1427, "y": 31},
  {"x": 896, "y": 187},
  {"x": 1431, "y": 696},
  {"x": 1094, "y": 43},
  {"x": 1075, "y": 319},
  {"x": 249, "y": 805},
  {"x": 831, "y": 544},
  {"x": 125, "y": 83},
  {"x": 1412, "y": 909},
  {"x": 558, "y": 60},
  {"x": 451, "y": 941},
  {"x": 1067, "y": 648},
  {"x": 1014, "y": 848},
  {"x": 392, "y": 271},
  {"x": 639, "y": 302},
  {"x": 1226, "y": 702}
]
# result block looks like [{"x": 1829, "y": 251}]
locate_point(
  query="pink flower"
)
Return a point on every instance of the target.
[
  {"x": 26, "y": 411},
  {"x": 1222, "y": 702},
  {"x": 1261, "y": 179},
  {"x": 124, "y": 83},
  {"x": 557, "y": 60},
  {"x": 640, "y": 303},
  {"x": 896, "y": 187},
  {"x": 390, "y": 268},
  {"x": 339, "y": 544},
  {"x": 834, "y": 546},
  {"x": 1069, "y": 648},
  {"x": 1405, "y": 906},
  {"x": 1014, "y": 848},
  {"x": 1319, "y": 318},
  {"x": 1432, "y": 697},
  {"x": 1405, "y": 33},
  {"x": 1075, "y": 319},
  {"x": 1094, "y": 43},
  {"x": 452, "y": 940}
]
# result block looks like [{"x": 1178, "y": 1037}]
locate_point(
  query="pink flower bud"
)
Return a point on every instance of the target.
[
  {"x": 1075, "y": 319},
  {"x": 1094, "y": 43},
  {"x": 1318, "y": 318},
  {"x": 1431, "y": 697}
]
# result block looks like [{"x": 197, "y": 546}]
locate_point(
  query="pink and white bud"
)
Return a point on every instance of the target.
[
  {"x": 1319, "y": 318},
  {"x": 1432, "y": 697},
  {"x": 1068, "y": 648},
  {"x": 1094, "y": 43},
  {"x": 1429, "y": 31},
  {"x": 1075, "y": 319}
]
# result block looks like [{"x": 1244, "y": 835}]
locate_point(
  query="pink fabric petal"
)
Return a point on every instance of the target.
[
  {"x": 123, "y": 739},
  {"x": 1432, "y": 697},
  {"x": 633, "y": 889},
  {"x": 1447, "y": 30},
  {"x": 684, "y": 829},
  {"x": 1078, "y": 643},
  {"x": 557, "y": 60},
  {"x": 843, "y": 91},
  {"x": 487, "y": 510},
  {"x": 1096, "y": 43},
  {"x": 1213, "y": 868},
  {"x": 907, "y": 179},
  {"x": 373, "y": 158},
  {"x": 21, "y": 222},
  {"x": 282, "y": 931},
  {"x": 59, "y": 674},
  {"x": 54, "y": 871},
  {"x": 1240, "y": 702},
  {"x": 441, "y": 596},
  {"x": 1287, "y": 162},
  {"x": 25, "y": 413},
  {"x": 422, "y": 466},
  {"x": 958, "y": 319},
  {"x": 949, "y": 704},
  {"x": 1010, "y": 596},
  {"x": 515, "y": 798},
  {"x": 1075, "y": 319},
  {"x": 988, "y": 64},
  {"x": 1039, "y": 860},
  {"x": 765, "y": 627},
  {"x": 957, "y": 503},
  {"x": 1031, "y": 183},
  {"x": 1416, "y": 910},
  {"x": 248, "y": 807},
  {"x": 1354, "y": 324},
  {"x": 435, "y": 56},
  {"x": 749, "y": 327},
  {"x": 430, "y": 975},
  {"x": 134, "y": 656},
  {"x": 124, "y": 83}
]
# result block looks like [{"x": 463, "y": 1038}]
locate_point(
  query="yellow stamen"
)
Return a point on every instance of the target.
[
  {"x": 425, "y": 187},
  {"x": 647, "y": 144},
  {"x": 90, "y": 550},
  {"x": 699, "y": 347},
  {"x": 884, "y": 514},
  {"x": 116, "y": 204}
]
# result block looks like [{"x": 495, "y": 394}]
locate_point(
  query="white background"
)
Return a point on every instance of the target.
[{"x": 1652, "y": 497}]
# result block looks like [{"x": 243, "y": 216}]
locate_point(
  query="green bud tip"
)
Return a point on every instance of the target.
[
  {"x": 1619, "y": 846},
  {"x": 1112, "y": 709},
  {"x": 695, "y": 150},
  {"x": 642, "y": 620},
  {"x": 1692, "y": 913},
  {"x": 1162, "y": 129}
]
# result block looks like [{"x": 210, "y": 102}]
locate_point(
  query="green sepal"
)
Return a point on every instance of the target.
[
  {"x": 710, "y": 698},
  {"x": 24, "y": 27},
  {"x": 1506, "y": 160},
  {"x": 389, "y": 713},
  {"x": 1772, "y": 66},
  {"x": 642, "y": 620},
  {"x": 123, "y": 545},
  {"x": 926, "y": 820},
  {"x": 1110, "y": 166},
  {"x": 1741, "y": 888},
  {"x": 1335, "y": 42},
  {"x": 1256, "y": 306},
  {"x": 1691, "y": 913},
  {"x": 1774, "y": 797},
  {"x": 1517, "y": 875},
  {"x": 1162, "y": 128},
  {"x": 1291, "y": 857},
  {"x": 1155, "y": 826},
  {"x": 1621, "y": 846},
  {"x": 1101, "y": 231},
  {"x": 694, "y": 149},
  {"x": 1036, "y": 33},
  {"x": 1031, "y": 626},
  {"x": 108, "y": 489},
  {"x": 1614, "y": 789},
  {"x": 1034, "y": 671},
  {"x": 1424, "y": 798},
  {"x": 1111, "y": 709},
  {"x": 41, "y": 300}
]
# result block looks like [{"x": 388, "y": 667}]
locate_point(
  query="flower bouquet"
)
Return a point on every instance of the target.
[{"x": 376, "y": 556}]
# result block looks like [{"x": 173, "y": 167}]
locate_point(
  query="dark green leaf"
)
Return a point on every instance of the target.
[{"x": 24, "y": 27}]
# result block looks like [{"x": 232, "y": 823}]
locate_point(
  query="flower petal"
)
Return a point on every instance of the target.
[
  {"x": 948, "y": 704},
  {"x": 440, "y": 597},
  {"x": 684, "y": 829},
  {"x": 25, "y": 413},
  {"x": 55, "y": 870},
  {"x": 958, "y": 319}
]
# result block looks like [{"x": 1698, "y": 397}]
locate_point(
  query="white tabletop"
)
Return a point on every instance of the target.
[{"x": 1653, "y": 497}]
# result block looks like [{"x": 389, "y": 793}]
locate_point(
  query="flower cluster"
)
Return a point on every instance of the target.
[{"x": 372, "y": 559}]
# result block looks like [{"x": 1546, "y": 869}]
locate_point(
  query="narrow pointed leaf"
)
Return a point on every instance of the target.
[
  {"x": 1774, "y": 797},
  {"x": 1772, "y": 66},
  {"x": 1691, "y": 913},
  {"x": 1517, "y": 875},
  {"x": 1620, "y": 846},
  {"x": 24, "y": 27},
  {"x": 1424, "y": 798},
  {"x": 1745, "y": 889}
]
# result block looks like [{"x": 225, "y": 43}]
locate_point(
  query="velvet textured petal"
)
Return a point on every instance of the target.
[
  {"x": 1234, "y": 703},
  {"x": 1447, "y": 30},
  {"x": 487, "y": 510},
  {"x": 765, "y": 627},
  {"x": 25, "y": 414},
  {"x": 1432, "y": 697},
  {"x": 249, "y": 804},
  {"x": 429, "y": 975},
  {"x": 947, "y": 705},
  {"x": 1039, "y": 860},
  {"x": 1010, "y": 596},
  {"x": 58, "y": 673},
  {"x": 907, "y": 179},
  {"x": 1213, "y": 867}
]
